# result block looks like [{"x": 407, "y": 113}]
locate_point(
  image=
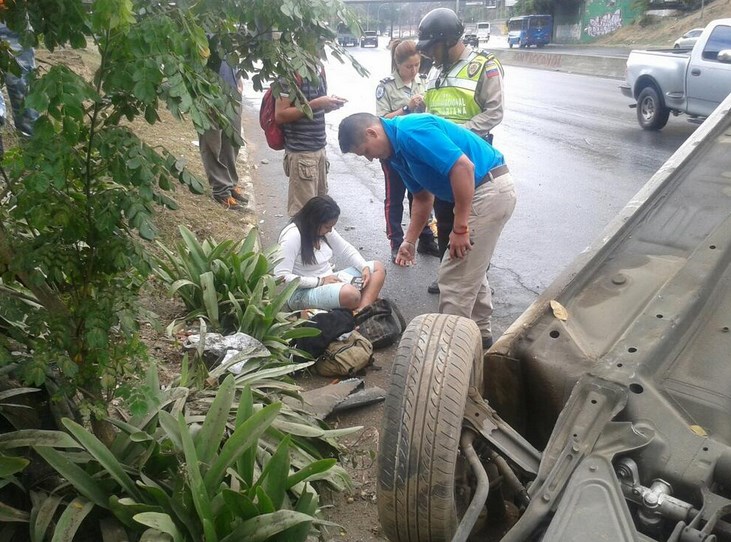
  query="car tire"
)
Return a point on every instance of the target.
[
  {"x": 510, "y": 45},
  {"x": 651, "y": 112},
  {"x": 419, "y": 463}
]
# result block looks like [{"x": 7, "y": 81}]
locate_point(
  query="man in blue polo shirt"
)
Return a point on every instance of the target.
[{"x": 438, "y": 158}]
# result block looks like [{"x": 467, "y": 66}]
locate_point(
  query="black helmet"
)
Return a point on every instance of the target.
[{"x": 439, "y": 24}]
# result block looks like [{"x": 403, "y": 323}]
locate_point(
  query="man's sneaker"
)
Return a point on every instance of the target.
[
  {"x": 427, "y": 246},
  {"x": 433, "y": 288},
  {"x": 229, "y": 203},
  {"x": 238, "y": 195}
]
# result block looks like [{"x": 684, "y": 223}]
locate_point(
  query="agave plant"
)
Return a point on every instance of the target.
[
  {"x": 232, "y": 286},
  {"x": 221, "y": 465}
]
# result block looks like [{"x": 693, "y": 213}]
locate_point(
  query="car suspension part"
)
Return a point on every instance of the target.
[{"x": 657, "y": 505}]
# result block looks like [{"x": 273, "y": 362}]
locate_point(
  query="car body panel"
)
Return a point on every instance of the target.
[
  {"x": 621, "y": 370},
  {"x": 709, "y": 81}
]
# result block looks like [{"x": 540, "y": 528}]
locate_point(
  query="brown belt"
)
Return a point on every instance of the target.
[{"x": 493, "y": 174}]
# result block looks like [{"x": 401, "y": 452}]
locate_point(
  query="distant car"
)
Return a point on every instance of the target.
[
  {"x": 483, "y": 31},
  {"x": 347, "y": 40},
  {"x": 471, "y": 39},
  {"x": 687, "y": 40},
  {"x": 369, "y": 37}
]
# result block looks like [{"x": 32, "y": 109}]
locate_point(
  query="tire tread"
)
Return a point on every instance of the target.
[{"x": 422, "y": 425}]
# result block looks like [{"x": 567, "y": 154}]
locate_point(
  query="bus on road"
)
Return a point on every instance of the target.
[{"x": 530, "y": 30}]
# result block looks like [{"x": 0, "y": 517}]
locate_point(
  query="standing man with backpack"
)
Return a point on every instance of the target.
[
  {"x": 465, "y": 86},
  {"x": 305, "y": 159}
]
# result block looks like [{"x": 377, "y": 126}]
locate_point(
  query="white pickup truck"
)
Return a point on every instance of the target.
[{"x": 681, "y": 81}]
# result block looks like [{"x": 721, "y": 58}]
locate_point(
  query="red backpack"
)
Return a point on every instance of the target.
[{"x": 272, "y": 130}]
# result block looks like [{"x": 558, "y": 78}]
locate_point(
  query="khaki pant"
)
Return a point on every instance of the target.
[
  {"x": 218, "y": 154},
  {"x": 307, "y": 172},
  {"x": 463, "y": 285}
]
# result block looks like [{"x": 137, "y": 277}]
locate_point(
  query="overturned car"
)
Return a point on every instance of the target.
[{"x": 604, "y": 411}]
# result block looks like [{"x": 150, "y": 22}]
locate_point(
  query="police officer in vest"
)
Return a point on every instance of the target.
[{"x": 465, "y": 86}]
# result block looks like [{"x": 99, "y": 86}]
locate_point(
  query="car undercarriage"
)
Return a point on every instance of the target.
[{"x": 604, "y": 411}]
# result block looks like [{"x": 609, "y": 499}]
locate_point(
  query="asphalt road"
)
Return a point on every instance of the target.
[{"x": 571, "y": 142}]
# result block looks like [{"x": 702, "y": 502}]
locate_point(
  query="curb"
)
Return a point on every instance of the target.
[{"x": 600, "y": 66}]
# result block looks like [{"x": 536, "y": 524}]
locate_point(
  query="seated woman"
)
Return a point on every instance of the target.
[{"x": 308, "y": 244}]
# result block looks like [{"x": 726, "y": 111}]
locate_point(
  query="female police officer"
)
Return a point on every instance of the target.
[{"x": 401, "y": 93}]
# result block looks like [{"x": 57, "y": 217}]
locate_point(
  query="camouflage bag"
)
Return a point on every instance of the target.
[{"x": 346, "y": 357}]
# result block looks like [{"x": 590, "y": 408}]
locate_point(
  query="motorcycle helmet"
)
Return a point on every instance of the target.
[{"x": 439, "y": 25}]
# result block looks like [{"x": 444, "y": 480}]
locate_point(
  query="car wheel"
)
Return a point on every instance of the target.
[
  {"x": 510, "y": 45},
  {"x": 423, "y": 482},
  {"x": 676, "y": 46},
  {"x": 651, "y": 113}
]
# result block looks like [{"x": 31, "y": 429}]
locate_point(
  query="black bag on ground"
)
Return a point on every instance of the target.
[
  {"x": 381, "y": 323},
  {"x": 332, "y": 324}
]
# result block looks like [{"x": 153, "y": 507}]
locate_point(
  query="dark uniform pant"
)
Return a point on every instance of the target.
[{"x": 393, "y": 206}]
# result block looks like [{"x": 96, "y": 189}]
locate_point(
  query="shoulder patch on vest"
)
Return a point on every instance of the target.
[
  {"x": 380, "y": 91},
  {"x": 387, "y": 79},
  {"x": 473, "y": 68}
]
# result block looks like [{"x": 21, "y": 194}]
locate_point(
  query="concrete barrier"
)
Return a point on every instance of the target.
[{"x": 600, "y": 66}]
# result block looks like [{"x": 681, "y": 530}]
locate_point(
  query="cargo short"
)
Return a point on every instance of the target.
[{"x": 307, "y": 172}]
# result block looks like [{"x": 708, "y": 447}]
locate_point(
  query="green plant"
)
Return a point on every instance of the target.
[
  {"x": 224, "y": 464},
  {"x": 77, "y": 197},
  {"x": 231, "y": 285}
]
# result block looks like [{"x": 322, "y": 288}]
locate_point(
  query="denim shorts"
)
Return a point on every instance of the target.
[{"x": 323, "y": 297}]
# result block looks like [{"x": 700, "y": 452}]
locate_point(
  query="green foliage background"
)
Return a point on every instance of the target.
[
  {"x": 222, "y": 461},
  {"x": 77, "y": 198}
]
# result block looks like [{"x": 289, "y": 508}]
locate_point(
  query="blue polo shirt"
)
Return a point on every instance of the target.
[{"x": 425, "y": 148}]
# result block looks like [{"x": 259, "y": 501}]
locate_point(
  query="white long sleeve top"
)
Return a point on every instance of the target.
[{"x": 291, "y": 265}]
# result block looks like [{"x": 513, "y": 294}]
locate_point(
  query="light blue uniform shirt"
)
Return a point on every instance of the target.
[{"x": 425, "y": 148}]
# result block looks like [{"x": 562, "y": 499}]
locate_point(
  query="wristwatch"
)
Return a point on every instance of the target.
[{"x": 406, "y": 109}]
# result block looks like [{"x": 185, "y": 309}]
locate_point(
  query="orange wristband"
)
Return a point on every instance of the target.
[{"x": 466, "y": 230}]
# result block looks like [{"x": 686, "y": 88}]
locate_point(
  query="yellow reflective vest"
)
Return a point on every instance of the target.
[{"x": 451, "y": 95}]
